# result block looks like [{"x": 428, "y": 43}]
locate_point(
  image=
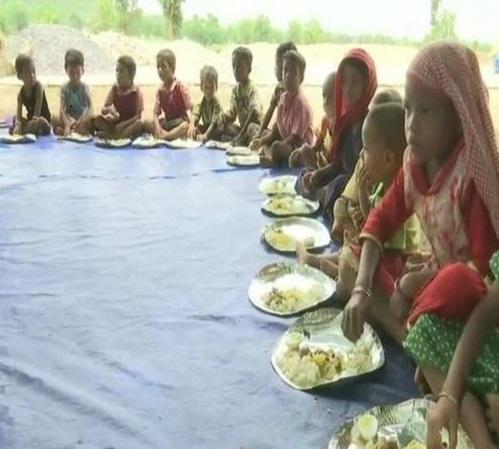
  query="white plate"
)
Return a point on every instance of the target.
[
  {"x": 244, "y": 161},
  {"x": 147, "y": 142},
  {"x": 283, "y": 233},
  {"x": 319, "y": 332},
  {"x": 183, "y": 144},
  {"x": 290, "y": 205},
  {"x": 239, "y": 151},
  {"x": 285, "y": 277},
  {"x": 278, "y": 185},
  {"x": 18, "y": 138},
  {"x": 401, "y": 423},
  {"x": 216, "y": 145},
  {"x": 112, "y": 143},
  {"x": 75, "y": 137}
]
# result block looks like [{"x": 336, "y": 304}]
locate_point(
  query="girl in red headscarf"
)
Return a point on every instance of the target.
[
  {"x": 354, "y": 88},
  {"x": 450, "y": 180}
]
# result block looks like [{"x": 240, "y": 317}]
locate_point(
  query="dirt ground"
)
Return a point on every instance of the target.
[{"x": 8, "y": 96}]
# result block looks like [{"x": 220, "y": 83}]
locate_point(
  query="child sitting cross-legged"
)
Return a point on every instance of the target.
[
  {"x": 121, "y": 115},
  {"x": 244, "y": 102},
  {"x": 207, "y": 116},
  {"x": 31, "y": 97},
  {"x": 173, "y": 103},
  {"x": 294, "y": 122},
  {"x": 75, "y": 103}
]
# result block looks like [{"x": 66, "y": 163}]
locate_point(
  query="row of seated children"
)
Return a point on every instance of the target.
[
  {"x": 445, "y": 313},
  {"x": 174, "y": 114}
]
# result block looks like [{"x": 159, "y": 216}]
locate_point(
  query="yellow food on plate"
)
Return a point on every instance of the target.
[
  {"x": 415, "y": 445},
  {"x": 280, "y": 239},
  {"x": 289, "y": 204},
  {"x": 292, "y": 299},
  {"x": 309, "y": 367}
]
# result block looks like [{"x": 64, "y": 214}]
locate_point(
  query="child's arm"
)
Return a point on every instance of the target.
[
  {"x": 254, "y": 108},
  {"x": 66, "y": 119},
  {"x": 196, "y": 117},
  {"x": 38, "y": 100},
  {"x": 244, "y": 127},
  {"x": 270, "y": 112},
  {"x": 231, "y": 114},
  {"x": 322, "y": 176},
  {"x": 87, "y": 113},
  {"x": 355, "y": 313},
  {"x": 381, "y": 224},
  {"x": 19, "y": 115},
  {"x": 108, "y": 103},
  {"x": 271, "y": 137},
  {"x": 156, "y": 115},
  {"x": 363, "y": 190}
]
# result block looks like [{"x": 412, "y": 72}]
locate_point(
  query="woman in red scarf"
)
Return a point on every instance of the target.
[{"x": 355, "y": 87}]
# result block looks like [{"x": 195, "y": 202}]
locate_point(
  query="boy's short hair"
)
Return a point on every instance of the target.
[
  {"x": 329, "y": 81},
  {"x": 296, "y": 58},
  {"x": 389, "y": 122},
  {"x": 22, "y": 61},
  {"x": 129, "y": 64},
  {"x": 387, "y": 96},
  {"x": 169, "y": 57},
  {"x": 209, "y": 72},
  {"x": 244, "y": 53},
  {"x": 285, "y": 47},
  {"x": 73, "y": 57}
]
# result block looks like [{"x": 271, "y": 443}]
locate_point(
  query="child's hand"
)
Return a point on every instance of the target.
[
  {"x": 67, "y": 131},
  {"x": 238, "y": 140},
  {"x": 255, "y": 144},
  {"x": 295, "y": 158},
  {"x": 192, "y": 131},
  {"x": 307, "y": 180},
  {"x": 313, "y": 183},
  {"x": 363, "y": 179},
  {"x": 444, "y": 415},
  {"x": 201, "y": 137}
]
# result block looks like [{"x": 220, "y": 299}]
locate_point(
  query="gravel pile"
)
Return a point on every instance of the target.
[{"x": 47, "y": 44}]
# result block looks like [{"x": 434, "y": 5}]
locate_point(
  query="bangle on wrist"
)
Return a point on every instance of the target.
[
  {"x": 449, "y": 397},
  {"x": 365, "y": 291}
]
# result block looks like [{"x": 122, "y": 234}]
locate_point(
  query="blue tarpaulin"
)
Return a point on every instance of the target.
[{"x": 124, "y": 319}]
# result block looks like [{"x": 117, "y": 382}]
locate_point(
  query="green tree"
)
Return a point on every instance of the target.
[
  {"x": 172, "y": 10},
  {"x": 105, "y": 16},
  {"x": 435, "y": 6},
  {"x": 128, "y": 13}
]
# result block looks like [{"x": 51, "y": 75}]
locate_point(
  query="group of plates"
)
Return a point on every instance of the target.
[
  {"x": 313, "y": 352},
  {"x": 145, "y": 142}
]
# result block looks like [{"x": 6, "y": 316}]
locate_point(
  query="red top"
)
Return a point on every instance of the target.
[
  {"x": 174, "y": 103},
  {"x": 392, "y": 213},
  {"x": 128, "y": 102}
]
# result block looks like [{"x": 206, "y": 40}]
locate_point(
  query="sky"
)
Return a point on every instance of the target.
[{"x": 475, "y": 19}]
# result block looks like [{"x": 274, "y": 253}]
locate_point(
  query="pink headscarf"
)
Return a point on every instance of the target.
[{"x": 453, "y": 70}]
